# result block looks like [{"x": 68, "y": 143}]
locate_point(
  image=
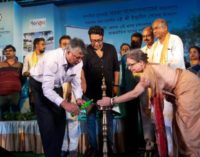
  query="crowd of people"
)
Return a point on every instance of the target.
[{"x": 160, "y": 96}]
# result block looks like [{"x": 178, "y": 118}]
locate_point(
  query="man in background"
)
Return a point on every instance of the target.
[
  {"x": 168, "y": 49},
  {"x": 31, "y": 60},
  {"x": 124, "y": 48},
  {"x": 64, "y": 41},
  {"x": 148, "y": 39},
  {"x": 136, "y": 40},
  {"x": 10, "y": 81},
  {"x": 148, "y": 128}
]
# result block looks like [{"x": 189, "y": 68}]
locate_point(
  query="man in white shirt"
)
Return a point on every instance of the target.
[
  {"x": 148, "y": 129},
  {"x": 47, "y": 77},
  {"x": 148, "y": 38},
  {"x": 31, "y": 60},
  {"x": 72, "y": 129},
  {"x": 168, "y": 49}
]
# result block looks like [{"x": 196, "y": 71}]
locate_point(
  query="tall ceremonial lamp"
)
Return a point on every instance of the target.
[{"x": 104, "y": 121}]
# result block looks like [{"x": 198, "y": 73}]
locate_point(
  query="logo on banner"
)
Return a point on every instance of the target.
[{"x": 37, "y": 23}]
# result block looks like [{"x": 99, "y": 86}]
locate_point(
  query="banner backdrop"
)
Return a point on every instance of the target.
[
  {"x": 37, "y": 24},
  {"x": 6, "y": 25},
  {"x": 120, "y": 19}
]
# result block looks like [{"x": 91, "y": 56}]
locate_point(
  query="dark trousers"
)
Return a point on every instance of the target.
[
  {"x": 51, "y": 120},
  {"x": 9, "y": 103},
  {"x": 93, "y": 125},
  {"x": 132, "y": 127}
]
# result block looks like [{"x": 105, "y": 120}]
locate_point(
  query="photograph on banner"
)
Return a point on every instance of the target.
[
  {"x": 2, "y": 57},
  {"x": 28, "y": 39},
  {"x": 78, "y": 32}
]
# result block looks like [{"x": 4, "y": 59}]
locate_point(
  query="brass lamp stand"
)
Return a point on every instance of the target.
[{"x": 104, "y": 121}]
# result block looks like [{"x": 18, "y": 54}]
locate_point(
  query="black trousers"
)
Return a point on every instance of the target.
[{"x": 51, "y": 120}]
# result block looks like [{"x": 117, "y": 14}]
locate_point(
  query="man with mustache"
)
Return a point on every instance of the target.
[
  {"x": 31, "y": 60},
  {"x": 168, "y": 49},
  {"x": 148, "y": 39}
]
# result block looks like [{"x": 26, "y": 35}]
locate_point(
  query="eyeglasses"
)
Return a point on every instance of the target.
[
  {"x": 77, "y": 57},
  {"x": 96, "y": 41},
  {"x": 130, "y": 65}
]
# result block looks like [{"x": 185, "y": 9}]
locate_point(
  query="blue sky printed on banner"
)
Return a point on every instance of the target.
[
  {"x": 122, "y": 18},
  {"x": 119, "y": 18}
]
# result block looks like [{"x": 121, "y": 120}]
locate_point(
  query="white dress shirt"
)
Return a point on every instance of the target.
[
  {"x": 148, "y": 51},
  {"x": 52, "y": 71},
  {"x": 175, "y": 55},
  {"x": 28, "y": 62}
]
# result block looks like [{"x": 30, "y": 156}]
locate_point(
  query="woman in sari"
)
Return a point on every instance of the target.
[{"x": 164, "y": 81}]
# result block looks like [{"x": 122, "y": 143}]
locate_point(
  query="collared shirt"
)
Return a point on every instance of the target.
[
  {"x": 95, "y": 68},
  {"x": 148, "y": 51},
  {"x": 175, "y": 55},
  {"x": 28, "y": 62},
  {"x": 10, "y": 78},
  {"x": 52, "y": 70}
]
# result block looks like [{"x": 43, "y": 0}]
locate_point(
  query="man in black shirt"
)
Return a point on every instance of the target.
[{"x": 101, "y": 61}]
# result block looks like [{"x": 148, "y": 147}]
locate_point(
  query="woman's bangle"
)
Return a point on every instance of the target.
[{"x": 112, "y": 101}]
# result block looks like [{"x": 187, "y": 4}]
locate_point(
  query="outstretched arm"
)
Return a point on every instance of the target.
[{"x": 140, "y": 87}]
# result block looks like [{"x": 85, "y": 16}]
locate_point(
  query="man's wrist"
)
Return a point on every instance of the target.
[{"x": 62, "y": 104}]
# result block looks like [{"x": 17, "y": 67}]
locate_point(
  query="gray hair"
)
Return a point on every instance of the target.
[
  {"x": 137, "y": 55},
  {"x": 162, "y": 21},
  {"x": 77, "y": 43}
]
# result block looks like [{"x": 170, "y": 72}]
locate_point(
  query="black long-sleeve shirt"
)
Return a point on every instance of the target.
[{"x": 95, "y": 68}]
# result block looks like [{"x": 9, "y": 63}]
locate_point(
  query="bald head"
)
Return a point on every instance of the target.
[
  {"x": 148, "y": 28},
  {"x": 160, "y": 28},
  {"x": 163, "y": 22},
  {"x": 147, "y": 36}
]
